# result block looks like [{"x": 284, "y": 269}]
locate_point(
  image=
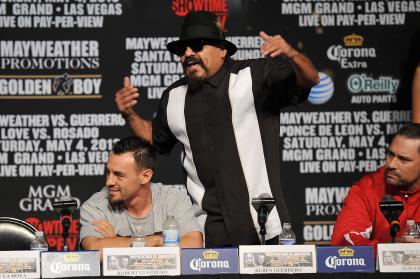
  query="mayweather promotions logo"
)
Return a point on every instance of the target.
[
  {"x": 64, "y": 69},
  {"x": 219, "y": 7}
]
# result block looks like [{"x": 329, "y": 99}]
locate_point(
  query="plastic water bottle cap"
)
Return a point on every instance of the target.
[
  {"x": 410, "y": 222},
  {"x": 39, "y": 233}
]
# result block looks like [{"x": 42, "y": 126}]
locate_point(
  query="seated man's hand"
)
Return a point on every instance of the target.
[
  {"x": 104, "y": 227},
  {"x": 401, "y": 239},
  {"x": 155, "y": 240}
]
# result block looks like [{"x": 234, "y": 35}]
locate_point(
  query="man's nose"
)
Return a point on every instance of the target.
[
  {"x": 189, "y": 52},
  {"x": 109, "y": 180},
  {"x": 391, "y": 162}
]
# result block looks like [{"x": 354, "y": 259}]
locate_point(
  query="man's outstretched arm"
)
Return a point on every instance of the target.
[
  {"x": 306, "y": 74},
  {"x": 126, "y": 98}
]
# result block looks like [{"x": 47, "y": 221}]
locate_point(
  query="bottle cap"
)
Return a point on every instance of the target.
[
  {"x": 410, "y": 222},
  {"x": 39, "y": 233},
  {"x": 138, "y": 228},
  {"x": 287, "y": 225}
]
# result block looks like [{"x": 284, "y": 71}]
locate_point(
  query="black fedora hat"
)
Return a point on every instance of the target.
[{"x": 202, "y": 25}]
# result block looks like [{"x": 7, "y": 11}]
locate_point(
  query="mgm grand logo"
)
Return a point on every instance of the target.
[
  {"x": 210, "y": 261},
  {"x": 345, "y": 258}
]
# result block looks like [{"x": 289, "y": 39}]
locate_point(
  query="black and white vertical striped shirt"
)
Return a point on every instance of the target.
[{"x": 229, "y": 129}]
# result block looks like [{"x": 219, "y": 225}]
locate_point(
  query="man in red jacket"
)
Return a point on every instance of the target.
[{"x": 361, "y": 221}]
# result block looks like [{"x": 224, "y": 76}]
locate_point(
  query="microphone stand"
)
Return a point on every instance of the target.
[
  {"x": 394, "y": 228},
  {"x": 263, "y": 205},
  {"x": 263, "y": 232},
  {"x": 262, "y": 219},
  {"x": 391, "y": 210},
  {"x": 65, "y": 209},
  {"x": 66, "y": 226}
]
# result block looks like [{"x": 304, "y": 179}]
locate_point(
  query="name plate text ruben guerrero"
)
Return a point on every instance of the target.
[
  {"x": 141, "y": 261},
  {"x": 277, "y": 259}
]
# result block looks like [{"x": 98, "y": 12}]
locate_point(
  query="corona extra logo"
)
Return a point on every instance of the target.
[
  {"x": 353, "y": 40},
  {"x": 346, "y": 252},
  {"x": 71, "y": 258},
  {"x": 210, "y": 255}
]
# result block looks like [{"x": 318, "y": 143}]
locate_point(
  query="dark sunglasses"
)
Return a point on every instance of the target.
[{"x": 195, "y": 45}]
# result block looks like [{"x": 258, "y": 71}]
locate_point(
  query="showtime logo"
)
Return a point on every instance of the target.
[
  {"x": 53, "y": 232},
  {"x": 219, "y": 7}
]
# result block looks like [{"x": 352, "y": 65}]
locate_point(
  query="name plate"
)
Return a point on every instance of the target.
[
  {"x": 345, "y": 259},
  {"x": 19, "y": 264},
  {"x": 70, "y": 264},
  {"x": 209, "y": 261},
  {"x": 277, "y": 259},
  {"x": 141, "y": 261},
  {"x": 399, "y": 257}
]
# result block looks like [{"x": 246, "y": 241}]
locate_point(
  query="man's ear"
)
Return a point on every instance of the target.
[
  {"x": 223, "y": 52},
  {"x": 146, "y": 176}
]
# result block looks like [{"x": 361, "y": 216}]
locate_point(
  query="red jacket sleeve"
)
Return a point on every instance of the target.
[{"x": 354, "y": 224}]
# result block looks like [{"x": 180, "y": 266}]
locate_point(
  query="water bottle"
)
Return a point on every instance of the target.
[
  {"x": 138, "y": 239},
  {"x": 170, "y": 232},
  {"x": 287, "y": 236},
  {"x": 411, "y": 230},
  {"x": 39, "y": 243}
]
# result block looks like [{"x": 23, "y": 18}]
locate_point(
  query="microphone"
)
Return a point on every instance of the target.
[
  {"x": 65, "y": 208},
  {"x": 263, "y": 205},
  {"x": 391, "y": 210}
]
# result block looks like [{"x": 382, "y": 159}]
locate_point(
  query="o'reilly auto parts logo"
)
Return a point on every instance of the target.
[
  {"x": 362, "y": 83},
  {"x": 366, "y": 89},
  {"x": 352, "y": 55},
  {"x": 321, "y": 93}
]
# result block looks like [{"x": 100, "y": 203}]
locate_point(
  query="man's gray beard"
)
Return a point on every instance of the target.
[{"x": 194, "y": 83}]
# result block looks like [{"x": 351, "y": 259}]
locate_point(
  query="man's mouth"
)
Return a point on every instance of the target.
[
  {"x": 391, "y": 175},
  {"x": 193, "y": 66},
  {"x": 113, "y": 190},
  {"x": 192, "y": 63}
]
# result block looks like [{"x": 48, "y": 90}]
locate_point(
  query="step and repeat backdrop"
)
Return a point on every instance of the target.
[{"x": 62, "y": 62}]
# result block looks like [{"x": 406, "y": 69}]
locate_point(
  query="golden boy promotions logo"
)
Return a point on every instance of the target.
[
  {"x": 62, "y": 85},
  {"x": 219, "y": 7}
]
